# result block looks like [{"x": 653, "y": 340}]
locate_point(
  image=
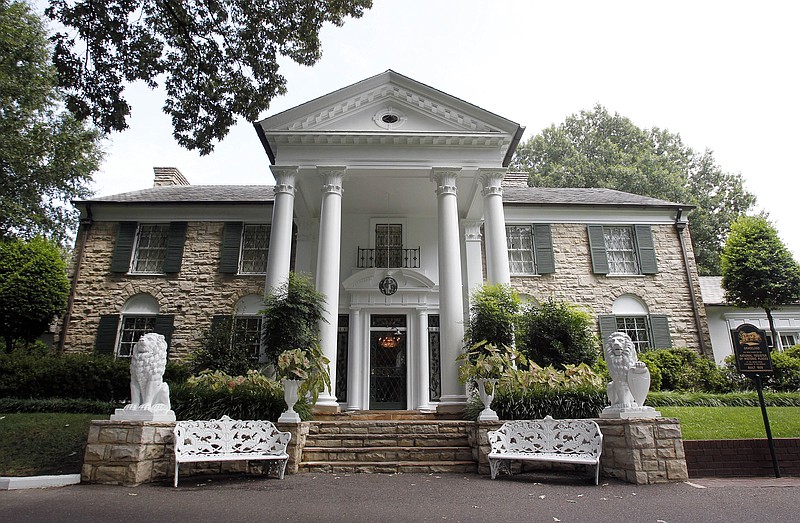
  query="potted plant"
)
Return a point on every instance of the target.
[
  {"x": 486, "y": 364},
  {"x": 302, "y": 372}
]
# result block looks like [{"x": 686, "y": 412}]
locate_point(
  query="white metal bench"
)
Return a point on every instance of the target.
[
  {"x": 227, "y": 439},
  {"x": 576, "y": 441}
]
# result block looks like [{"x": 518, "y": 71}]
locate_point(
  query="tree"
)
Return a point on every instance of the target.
[
  {"x": 33, "y": 288},
  {"x": 598, "y": 149},
  {"x": 292, "y": 313},
  {"x": 46, "y": 156},
  {"x": 219, "y": 59},
  {"x": 492, "y": 316},
  {"x": 758, "y": 270},
  {"x": 557, "y": 333}
]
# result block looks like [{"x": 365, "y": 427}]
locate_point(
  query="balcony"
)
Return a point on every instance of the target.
[{"x": 391, "y": 258}]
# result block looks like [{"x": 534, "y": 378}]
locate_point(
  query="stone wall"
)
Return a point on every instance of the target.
[
  {"x": 194, "y": 295},
  {"x": 638, "y": 451},
  {"x": 666, "y": 292}
]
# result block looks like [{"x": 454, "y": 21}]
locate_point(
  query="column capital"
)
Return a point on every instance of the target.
[
  {"x": 331, "y": 178},
  {"x": 284, "y": 178},
  {"x": 472, "y": 230},
  {"x": 445, "y": 178},
  {"x": 491, "y": 181}
]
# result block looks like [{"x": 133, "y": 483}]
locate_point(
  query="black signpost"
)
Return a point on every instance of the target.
[{"x": 753, "y": 360}]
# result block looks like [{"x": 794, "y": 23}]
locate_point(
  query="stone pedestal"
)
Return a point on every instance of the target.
[
  {"x": 143, "y": 415},
  {"x": 297, "y": 442}
]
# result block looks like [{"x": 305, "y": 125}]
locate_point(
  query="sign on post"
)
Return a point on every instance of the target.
[{"x": 751, "y": 350}]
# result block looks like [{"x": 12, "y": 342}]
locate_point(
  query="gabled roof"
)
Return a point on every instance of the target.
[
  {"x": 188, "y": 194},
  {"x": 581, "y": 196},
  {"x": 352, "y": 115}
]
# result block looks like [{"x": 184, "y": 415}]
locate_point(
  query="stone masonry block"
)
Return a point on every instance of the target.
[{"x": 95, "y": 452}]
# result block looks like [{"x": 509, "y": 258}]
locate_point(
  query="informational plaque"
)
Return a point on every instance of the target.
[{"x": 750, "y": 348}]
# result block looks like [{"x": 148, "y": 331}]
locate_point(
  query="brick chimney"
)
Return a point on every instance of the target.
[
  {"x": 515, "y": 179},
  {"x": 168, "y": 176}
]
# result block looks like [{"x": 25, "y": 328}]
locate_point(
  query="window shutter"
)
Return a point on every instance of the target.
[
  {"x": 543, "y": 248},
  {"x": 229, "y": 250},
  {"x": 164, "y": 326},
  {"x": 597, "y": 246},
  {"x": 175, "y": 242},
  {"x": 608, "y": 325},
  {"x": 123, "y": 247},
  {"x": 647, "y": 250},
  {"x": 106, "y": 339},
  {"x": 659, "y": 325}
]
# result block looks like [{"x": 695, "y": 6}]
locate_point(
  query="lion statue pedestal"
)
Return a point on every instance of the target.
[
  {"x": 630, "y": 380},
  {"x": 149, "y": 393}
]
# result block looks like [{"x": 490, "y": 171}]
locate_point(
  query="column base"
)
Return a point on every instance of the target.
[
  {"x": 326, "y": 409},
  {"x": 452, "y": 404}
]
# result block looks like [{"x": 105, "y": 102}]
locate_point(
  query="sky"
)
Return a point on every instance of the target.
[{"x": 722, "y": 74}]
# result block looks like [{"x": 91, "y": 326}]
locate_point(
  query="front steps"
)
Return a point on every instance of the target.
[{"x": 368, "y": 442}]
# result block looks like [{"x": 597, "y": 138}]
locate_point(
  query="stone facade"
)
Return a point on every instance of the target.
[
  {"x": 666, "y": 292},
  {"x": 194, "y": 295}
]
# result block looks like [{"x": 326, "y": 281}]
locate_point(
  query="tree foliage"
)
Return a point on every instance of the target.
[
  {"x": 597, "y": 149},
  {"x": 291, "y": 317},
  {"x": 492, "y": 316},
  {"x": 219, "y": 59},
  {"x": 47, "y": 157},
  {"x": 33, "y": 288},
  {"x": 225, "y": 348},
  {"x": 757, "y": 269},
  {"x": 557, "y": 333}
]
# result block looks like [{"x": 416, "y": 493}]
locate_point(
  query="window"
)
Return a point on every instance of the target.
[
  {"x": 631, "y": 316},
  {"x": 389, "y": 245},
  {"x": 247, "y": 331},
  {"x": 530, "y": 249},
  {"x": 636, "y": 328},
  {"x": 118, "y": 333},
  {"x": 133, "y": 328},
  {"x": 255, "y": 247},
  {"x": 151, "y": 248},
  {"x": 622, "y": 250},
  {"x": 787, "y": 339}
]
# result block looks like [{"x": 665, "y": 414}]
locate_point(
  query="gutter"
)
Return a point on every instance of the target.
[
  {"x": 83, "y": 236},
  {"x": 265, "y": 142},
  {"x": 680, "y": 227},
  {"x": 512, "y": 147}
]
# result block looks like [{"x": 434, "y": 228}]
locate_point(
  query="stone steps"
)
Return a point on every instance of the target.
[{"x": 390, "y": 446}]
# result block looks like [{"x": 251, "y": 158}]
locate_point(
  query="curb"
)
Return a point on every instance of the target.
[{"x": 29, "y": 482}]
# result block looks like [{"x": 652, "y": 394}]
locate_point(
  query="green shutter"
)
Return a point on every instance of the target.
[
  {"x": 543, "y": 242},
  {"x": 123, "y": 247},
  {"x": 164, "y": 326},
  {"x": 106, "y": 339},
  {"x": 608, "y": 325},
  {"x": 175, "y": 242},
  {"x": 597, "y": 246},
  {"x": 647, "y": 250},
  {"x": 659, "y": 326},
  {"x": 229, "y": 250}
]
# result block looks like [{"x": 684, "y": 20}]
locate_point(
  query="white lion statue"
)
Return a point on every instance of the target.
[
  {"x": 148, "y": 361},
  {"x": 630, "y": 379}
]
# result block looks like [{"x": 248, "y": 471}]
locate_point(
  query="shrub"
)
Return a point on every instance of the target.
[
  {"x": 683, "y": 369},
  {"x": 785, "y": 370},
  {"x": 211, "y": 395},
  {"x": 67, "y": 405},
  {"x": 224, "y": 349},
  {"x": 732, "y": 399},
  {"x": 492, "y": 316},
  {"x": 557, "y": 333}
]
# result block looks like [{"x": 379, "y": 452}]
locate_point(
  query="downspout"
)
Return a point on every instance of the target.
[
  {"x": 83, "y": 235},
  {"x": 698, "y": 321}
]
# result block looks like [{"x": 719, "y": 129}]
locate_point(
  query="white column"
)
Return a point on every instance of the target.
[
  {"x": 305, "y": 253},
  {"x": 472, "y": 249},
  {"x": 494, "y": 226},
  {"x": 423, "y": 362},
  {"x": 355, "y": 365},
  {"x": 451, "y": 302},
  {"x": 280, "y": 236},
  {"x": 328, "y": 261}
]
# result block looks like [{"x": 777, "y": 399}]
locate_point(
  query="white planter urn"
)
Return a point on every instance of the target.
[
  {"x": 290, "y": 395},
  {"x": 487, "y": 414}
]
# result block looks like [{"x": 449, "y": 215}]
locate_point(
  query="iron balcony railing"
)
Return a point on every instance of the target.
[{"x": 392, "y": 258}]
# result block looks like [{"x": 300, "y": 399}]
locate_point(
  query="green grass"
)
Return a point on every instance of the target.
[
  {"x": 734, "y": 422},
  {"x": 43, "y": 443}
]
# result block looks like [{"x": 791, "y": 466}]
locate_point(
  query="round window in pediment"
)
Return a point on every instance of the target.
[{"x": 389, "y": 118}]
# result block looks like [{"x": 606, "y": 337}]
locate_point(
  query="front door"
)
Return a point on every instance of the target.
[{"x": 387, "y": 351}]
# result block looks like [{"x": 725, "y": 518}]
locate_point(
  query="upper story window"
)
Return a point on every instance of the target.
[
  {"x": 255, "y": 248},
  {"x": 151, "y": 248},
  {"x": 388, "y": 245},
  {"x": 530, "y": 249},
  {"x": 622, "y": 250}
]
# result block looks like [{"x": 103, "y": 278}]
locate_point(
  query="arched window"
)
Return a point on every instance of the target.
[
  {"x": 138, "y": 317},
  {"x": 247, "y": 321},
  {"x": 632, "y": 316}
]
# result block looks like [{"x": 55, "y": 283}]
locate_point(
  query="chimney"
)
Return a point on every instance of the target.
[
  {"x": 515, "y": 180},
  {"x": 166, "y": 176}
]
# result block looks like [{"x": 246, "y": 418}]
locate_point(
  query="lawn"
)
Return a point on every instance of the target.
[
  {"x": 734, "y": 422},
  {"x": 43, "y": 443}
]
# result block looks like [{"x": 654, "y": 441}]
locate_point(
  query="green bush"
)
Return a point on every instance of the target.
[
  {"x": 586, "y": 402},
  {"x": 732, "y": 399},
  {"x": 683, "y": 369},
  {"x": 557, "y": 333},
  {"x": 212, "y": 395},
  {"x": 786, "y": 370},
  {"x": 492, "y": 316},
  {"x": 66, "y": 405},
  {"x": 226, "y": 349},
  {"x": 86, "y": 376}
]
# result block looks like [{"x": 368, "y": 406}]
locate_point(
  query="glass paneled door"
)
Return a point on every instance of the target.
[{"x": 387, "y": 349}]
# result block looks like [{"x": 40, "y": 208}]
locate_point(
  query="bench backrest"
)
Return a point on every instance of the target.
[
  {"x": 229, "y": 436},
  {"x": 563, "y": 436}
]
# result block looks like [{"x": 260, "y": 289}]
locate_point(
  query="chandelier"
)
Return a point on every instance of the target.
[{"x": 391, "y": 341}]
